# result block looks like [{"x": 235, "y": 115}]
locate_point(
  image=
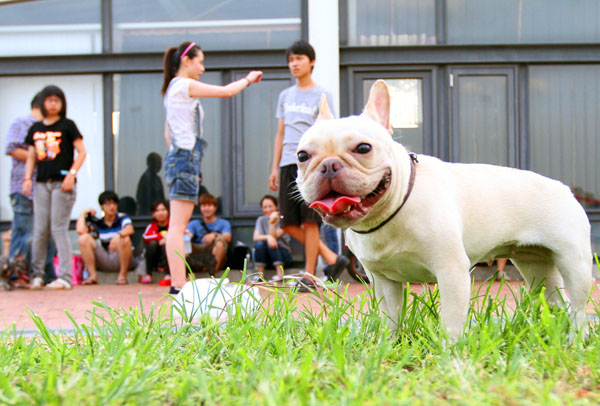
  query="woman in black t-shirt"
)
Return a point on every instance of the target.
[{"x": 52, "y": 145}]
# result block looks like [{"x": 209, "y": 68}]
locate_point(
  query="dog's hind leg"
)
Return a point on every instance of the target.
[
  {"x": 573, "y": 272},
  {"x": 543, "y": 272},
  {"x": 576, "y": 271}
]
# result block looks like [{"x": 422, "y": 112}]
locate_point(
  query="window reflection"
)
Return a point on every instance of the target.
[
  {"x": 391, "y": 22},
  {"x": 140, "y": 146},
  {"x": 214, "y": 24},
  {"x": 50, "y": 27},
  {"x": 522, "y": 22},
  {"x": 258, "y": 132},
  {"x": 565, "y": 130}
]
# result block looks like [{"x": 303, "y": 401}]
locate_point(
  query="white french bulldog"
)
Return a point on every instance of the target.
[{"x": 418, "y": 219}]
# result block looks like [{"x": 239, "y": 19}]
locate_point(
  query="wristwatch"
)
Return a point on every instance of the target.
[{"x": 73, "y": 172}]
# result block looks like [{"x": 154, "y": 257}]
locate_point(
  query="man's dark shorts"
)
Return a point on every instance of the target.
[{"x": 293, "y": 209}]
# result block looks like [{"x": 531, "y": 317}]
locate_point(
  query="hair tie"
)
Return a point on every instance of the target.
[{"x": 193, "y": 44}]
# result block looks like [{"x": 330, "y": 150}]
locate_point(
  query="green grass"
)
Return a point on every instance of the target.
[{"x": 287, "y": 355}]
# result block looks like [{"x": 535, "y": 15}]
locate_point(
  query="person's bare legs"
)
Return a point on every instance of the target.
[
  {"x": 308, "y": 235},
  {"x": 219, "y": 253},
  {"x": 181, "y": 212},
  {"x": 501, "y": 262},
  {"x": 125, "y": 253},
  {"x": 299, "y": 234},
  {"x": 260, "y": 270},
  {"x": 87, "y": 245},
  {"x": 280, "y": 271}
]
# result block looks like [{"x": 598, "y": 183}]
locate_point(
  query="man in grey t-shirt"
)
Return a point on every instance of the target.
[{"x": 297, "y": 110}]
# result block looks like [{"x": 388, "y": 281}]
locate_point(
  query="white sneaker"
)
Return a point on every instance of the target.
[
  {"x": 36, "y": 284},
  {"x": 59, "y": 284}
]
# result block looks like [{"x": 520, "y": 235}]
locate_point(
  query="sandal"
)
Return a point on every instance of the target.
[
  {"x": 121, "y": 282},
  {"x": 166, "y": 281},
  {"x": 90, "y": 281},
  {"x": 146, "y": 279},
  {"x": 20, "y": 283}
]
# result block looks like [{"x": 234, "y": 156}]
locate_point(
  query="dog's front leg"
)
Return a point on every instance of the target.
[
  {"x": 454, "y": 284},
  {"x": 390, "y": 294}
]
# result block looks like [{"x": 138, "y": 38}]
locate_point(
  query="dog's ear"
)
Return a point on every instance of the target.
[
  {"x": 378, "y": 106},
  {"x": 324, "y": 111}
]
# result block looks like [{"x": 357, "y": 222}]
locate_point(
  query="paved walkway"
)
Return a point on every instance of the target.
[{"x": 52, "y": 305}]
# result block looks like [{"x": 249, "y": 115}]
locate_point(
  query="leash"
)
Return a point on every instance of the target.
[{"x": 411, "y": 182}]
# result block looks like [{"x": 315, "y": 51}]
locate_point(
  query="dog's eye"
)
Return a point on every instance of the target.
[
  {"x": 303, "y": 156},
  {"x": 363, "y": 148}
]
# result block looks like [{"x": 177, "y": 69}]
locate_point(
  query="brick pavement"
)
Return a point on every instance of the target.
[{"x": 51, "y": 305}]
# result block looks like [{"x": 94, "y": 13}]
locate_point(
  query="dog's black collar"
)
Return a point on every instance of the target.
[{"x": 411, "y": 182}]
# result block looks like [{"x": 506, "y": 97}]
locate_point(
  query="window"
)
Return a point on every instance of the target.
[
  {"x": 138, "y": 130},
  {"x": 51, "y": 27},
  {"x": 522, "y": 22},
  {"x": 483, "y": 114},
  {"x": 213, "y": 24},
  {"x": 391, "y": 22},
  {"x": 256, "y": 129},
  {"x": 565, "y": 127},
  {"x": 84, "y": 106}
]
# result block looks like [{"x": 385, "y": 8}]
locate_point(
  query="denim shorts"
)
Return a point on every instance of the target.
[{"x": 182, "y": 168}]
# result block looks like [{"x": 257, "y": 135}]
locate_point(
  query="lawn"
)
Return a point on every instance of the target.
[{"x": 285, "y": 354}]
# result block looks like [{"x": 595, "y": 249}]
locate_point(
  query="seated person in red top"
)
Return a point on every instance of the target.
[
  {"x": 155, "y": 239},
  {"x": 114, "y": 230}
]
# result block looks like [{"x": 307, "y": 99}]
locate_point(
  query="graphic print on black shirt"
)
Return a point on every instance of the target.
[{"x": 54, "y": 149}]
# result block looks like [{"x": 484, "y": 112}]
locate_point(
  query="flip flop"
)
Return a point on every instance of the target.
[
  {"x": 121, "y": 282},
  {"x": 20, "y": 283},
  {"x": 89, "y": 281}
]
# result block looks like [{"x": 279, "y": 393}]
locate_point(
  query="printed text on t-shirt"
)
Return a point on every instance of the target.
[{"x": 300, "y": 108}]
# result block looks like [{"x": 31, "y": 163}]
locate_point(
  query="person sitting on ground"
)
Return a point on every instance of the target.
[
  {"x": 155, "y": 239},
  {"x": 271, "y": 244},
  {"x": 211, "y": 234},
  {"x": 114, "y": 252}
]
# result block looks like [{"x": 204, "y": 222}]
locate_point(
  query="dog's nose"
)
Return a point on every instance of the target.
[{"x": 330, "y": 167}]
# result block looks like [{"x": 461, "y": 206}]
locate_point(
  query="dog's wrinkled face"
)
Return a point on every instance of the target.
[{"x": 345, "y": 167}]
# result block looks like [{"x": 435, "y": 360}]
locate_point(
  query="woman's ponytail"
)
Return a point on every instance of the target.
[{"x": 170, "y": 66}]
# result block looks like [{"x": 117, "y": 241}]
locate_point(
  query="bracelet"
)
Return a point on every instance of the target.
[
  {"x": 248, "y": 80},
  {"x": 27, "y": 179}
]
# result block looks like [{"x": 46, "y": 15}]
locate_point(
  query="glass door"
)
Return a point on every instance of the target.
[
  {"x": 255, "y": 126},
  {"x": 483, "y": 111}
]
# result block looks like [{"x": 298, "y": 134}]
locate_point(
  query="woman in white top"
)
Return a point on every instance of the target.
[{"x": 183, "y": 66}]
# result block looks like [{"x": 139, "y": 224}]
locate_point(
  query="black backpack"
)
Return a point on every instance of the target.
[{"x": 239, "y": 253}]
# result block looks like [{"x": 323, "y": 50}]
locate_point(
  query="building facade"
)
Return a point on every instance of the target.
[{"x": 514, "y": 83}]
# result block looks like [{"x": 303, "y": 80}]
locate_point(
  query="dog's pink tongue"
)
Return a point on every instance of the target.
[{"x": 332, "y": 205}]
